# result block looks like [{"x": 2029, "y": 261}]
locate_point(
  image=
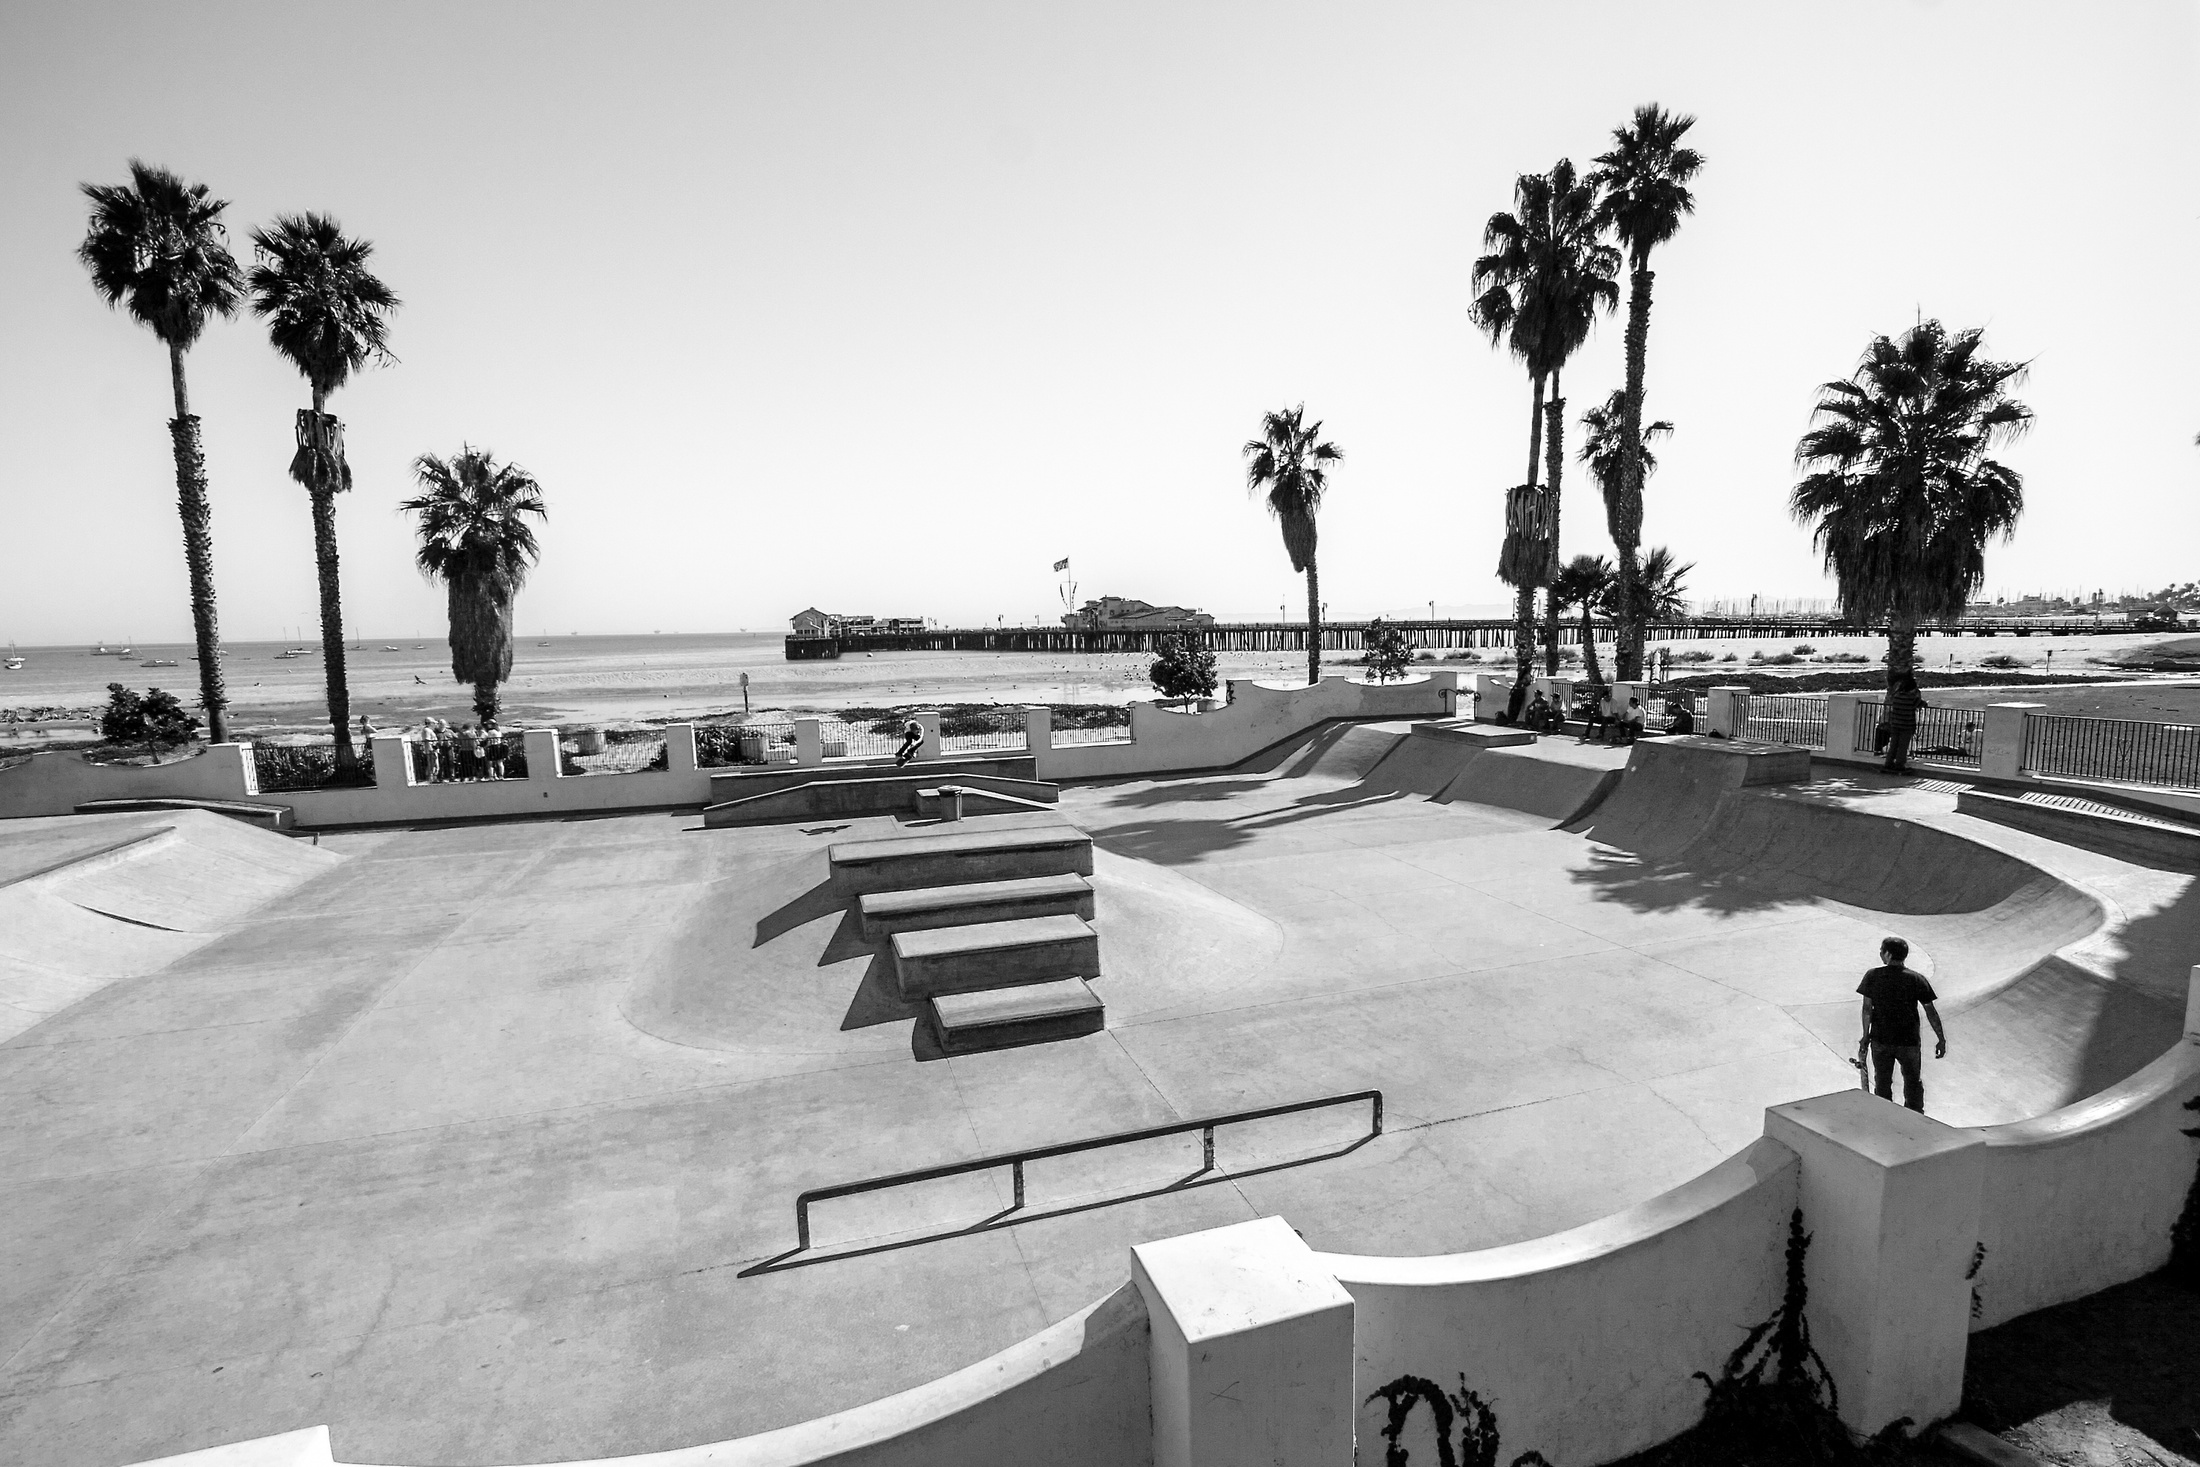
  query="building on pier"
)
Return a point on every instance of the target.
[{"x": 1126, "y": 614}]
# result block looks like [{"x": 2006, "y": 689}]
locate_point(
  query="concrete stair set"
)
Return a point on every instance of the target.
[{"x": 990, "y": 929}]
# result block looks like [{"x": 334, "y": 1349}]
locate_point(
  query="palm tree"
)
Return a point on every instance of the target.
[
  {"x": 1643, "y": 187},
  {"x": 328, "y": 317},
  {"x": 473, "y": 539},
  {"x": 1660, "y": 588},
  {"x": 1291, "y": 463},
  {"x": 1546, "y": 273},
  {"x": 1903, "y": 493},
  {"x": 157, "y": 248},
  {"x": 1586, "y": 582},
  {"x": 1603, "y": 451}
]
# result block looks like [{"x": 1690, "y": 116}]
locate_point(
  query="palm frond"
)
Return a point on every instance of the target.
[
  {"x": 327, "y": 314},
  {"x": 156, "y": 247}
]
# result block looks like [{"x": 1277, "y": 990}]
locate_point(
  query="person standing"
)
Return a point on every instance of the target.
[
  {"x": 1901, "y": 722},
  {"x": 494, "y": 749},
  {"x": 1893, "y": 993}
]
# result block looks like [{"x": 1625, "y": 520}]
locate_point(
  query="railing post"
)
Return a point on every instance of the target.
[
  {"x": 543, "y": 759},
  {"x": 2001, "y": 754},
  {"x": 1038, "y": 729},
  {"x": 392, "y": 761},
  {"x": 1207, "y": 1148},
  {"x": 1727, "y": 711},
  {"x": 930, "y": 723},
  {"x": 680, "y": 748},
  {"x": 1018, "y": 1169},
  {"x": 1841, "y": 727},
  {"x": 247, "y": 768},
  {"x": 809, "y": 744},
  {"x": 801, "y": 1223}
]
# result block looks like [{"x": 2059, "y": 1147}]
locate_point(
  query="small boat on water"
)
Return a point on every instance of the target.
[
  {"x": 159, "y": 662},
  {"x": 103, "y": 650},
  {"x": 393, "y": 649},
  {"x": 14, "y": 664}
]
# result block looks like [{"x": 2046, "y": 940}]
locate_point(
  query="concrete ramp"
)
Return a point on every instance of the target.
[
  {"x": 128, "y": 895},
  {"x": 1341, "y": 751},
  {"x": 1548, "y": 779}
]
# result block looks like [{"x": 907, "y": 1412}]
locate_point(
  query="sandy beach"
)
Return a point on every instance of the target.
[{"x": 582, "y": 679}]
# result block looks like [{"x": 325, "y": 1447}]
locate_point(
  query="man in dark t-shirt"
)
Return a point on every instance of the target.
[{"x": 1892, "y": 994}]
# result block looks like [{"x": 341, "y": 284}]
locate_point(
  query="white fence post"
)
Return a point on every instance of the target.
[
  {"x": 680, "y": 748},
  {"x": 1727, "y": 711},
  {"x": 248, "y": 772},
  {"x": 809, "y": 744},
  {"x": 1559, "y": 690},
  {"x": 1038, "y": 729},
  {"x": 1251, "y": 1344},
  {"x": 930, "y": 722},
  {"x": 1890, "y": 1198},
  {"x": 1491, "y": 694},
  {"x": 393, "y": 766},
  {"x": 1841, "y": 726},
  {"x": 544, "y": 761},
  {"x": 2002, "y": 753}
]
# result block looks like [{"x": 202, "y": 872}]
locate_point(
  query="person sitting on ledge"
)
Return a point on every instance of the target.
[
  {"x": 1597, "y": 719},
  {"x": 1683, "y": 718},
  {"x": 1539, "y": 714},
  {"x": 1631, "y": 721}
]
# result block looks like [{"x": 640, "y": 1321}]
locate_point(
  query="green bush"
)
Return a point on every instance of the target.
[
  {"x": 1805, "y": 649},
  {"x": 1183, "y": 666},
  {"x": 153, "y": 719},
  {"x": 1999, "y": 659},
  {"x": 1389, "y": 651}
]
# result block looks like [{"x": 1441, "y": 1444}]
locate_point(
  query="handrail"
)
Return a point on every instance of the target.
[{"x": 1016, "y": 1159}]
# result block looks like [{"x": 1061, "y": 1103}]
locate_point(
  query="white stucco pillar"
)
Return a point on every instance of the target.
[
  {"x": 543, "y": 759},
  {"x": 680, "y": 748},
  {"x": 930, "y": 748},
  {"x": 1726, "y": 710},
  {"x": 1251, "y": 1349},
  {"x": 1038, "y": 729},
  {"x": 1559, "y": 690},
  {"x": 393, "y": 768},
  {"x": 1622, "y": 691},
  {"x": 2002, "y": 755},
  {"x": 1491, "y": 694},
  {"x": 1841, "y": 727},
  {"x": 1890, "y": 1199},
  {"x": 234, "y": 761},
  {"x": 809, "y": 744}
]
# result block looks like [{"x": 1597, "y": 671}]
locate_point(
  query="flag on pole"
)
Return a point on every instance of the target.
[{"x": 1062, "y": 564}]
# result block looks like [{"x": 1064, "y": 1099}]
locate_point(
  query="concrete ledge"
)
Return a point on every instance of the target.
[
  {"x": 884, "y": 913},
  {"x": 978, "y": 955},
  {"x": 944, "y": 860},
  {"x": 734, "y": 784},
  {"x": 2127, "y": 836},
  {"x": 870, "y": 795},
  {"x": 273, "y": 817},
  {"x": 1000, "y": 1018},
  {"x": 1478, "y": 735}
]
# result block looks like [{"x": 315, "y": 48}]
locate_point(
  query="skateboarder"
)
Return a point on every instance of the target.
[
  {"x": 1892, "y": 994},
  {"x": 912, "y": 738}
]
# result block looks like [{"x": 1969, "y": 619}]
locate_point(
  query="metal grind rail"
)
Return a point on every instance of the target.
[{"x": 1016, "y": 1159}]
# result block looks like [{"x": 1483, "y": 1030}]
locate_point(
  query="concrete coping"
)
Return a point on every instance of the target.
[
  {"x": 969, "y": 893},
  {"x": 963, "y": 843},
  {"x": 1763, "y": 1162},
  {"x": 941, "y": 942},
  {"x": 2163, "y": 1080}
]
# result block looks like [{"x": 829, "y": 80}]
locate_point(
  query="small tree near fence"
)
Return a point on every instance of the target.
[
  {"x": 1389, "y": 651},
  {"x": 1183, "y": 666},
  {"x": 153, "y": 719}
]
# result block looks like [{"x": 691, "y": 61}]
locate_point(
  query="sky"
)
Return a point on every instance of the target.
[{"x": 887, "y": 307}]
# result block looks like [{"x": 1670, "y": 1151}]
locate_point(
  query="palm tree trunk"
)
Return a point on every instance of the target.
[
  {"x": 1524, "y": 602},
  {"x": 1554, "y": 459},
  {"x": 486, "y": 704},
  {"x": 1313, "y": 624},
  {"x": 322, "y": 492},
  {"x": 1589, "y": 647},
  {"x": 1626, "y": 515},
  {"x": 1901, "y": 648},
  {"x": 198, "y": 551}
]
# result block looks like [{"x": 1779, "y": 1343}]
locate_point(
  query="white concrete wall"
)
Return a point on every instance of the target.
[
  {"x": 1582, "y": 1342},
  {"x": 2082, "y": 1198},
  {"x": 56, "y": 783},
  {"x": 1257, "y": 716},
  {"x": 1075, "y": 1394}
]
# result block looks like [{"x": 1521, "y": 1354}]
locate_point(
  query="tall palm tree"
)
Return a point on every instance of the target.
[
  {"x": 1661, "y": 587},
  {"x": 1603, "y": 451},
  {"x": 156, "y": 247},
  {"x": 1545, "y": 273},
  {"x": 1900, "y": 485},
  {"x": 1584, "y": 582},
  {"x": 1643, "y": 187},
  {"x": 328, "y": 316},
  {"x": 1290, "y": 463},
  {"x": 473, "y": 539}
]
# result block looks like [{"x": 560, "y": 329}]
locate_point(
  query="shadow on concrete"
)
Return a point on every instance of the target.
[
  {"x": 878, "y": 998},
  {"x": 819, "y": 901},
  {"x": 1189, "y": 791},
  {"x": 1663, "y": 886},
  {"x": 1010, "y": 1217}
]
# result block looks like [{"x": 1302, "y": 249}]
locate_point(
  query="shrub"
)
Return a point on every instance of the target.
[
  {"x": 1805, "y": 649},
  {"x": 1730, "y": 657},
  {"x": 1999, "y": 659},
  {"x": 1183, "y": 666},
  {"x": 1694, "y": 654},
  {"x": 1845, "y": 657},
  {"x": 1778, "y": 659},
  {"x": 1389, "y": 651},
  {"x": 153, "y": 719}
]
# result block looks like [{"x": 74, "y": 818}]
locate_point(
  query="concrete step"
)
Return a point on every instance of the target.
[
  {"x": 994, "y": 955},
  {"x": 884, "y": 913},
  {"x": 904, "y": 862},
  {"x": 1036, "y": 1013},
  {"x": 828, "y": 794}
]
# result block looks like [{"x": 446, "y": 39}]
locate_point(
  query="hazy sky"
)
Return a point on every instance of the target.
[{"x": 885, "y": 307}]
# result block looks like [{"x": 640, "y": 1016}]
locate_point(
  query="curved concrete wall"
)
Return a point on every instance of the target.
[
  {"x": 2083, "y": 1198},
  {"x": 1583, "y": 1343},
  {"x": 56, "y": 782}
]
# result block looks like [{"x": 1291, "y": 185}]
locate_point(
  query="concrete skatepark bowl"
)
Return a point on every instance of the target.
[{"x": 480, "y": 1143}]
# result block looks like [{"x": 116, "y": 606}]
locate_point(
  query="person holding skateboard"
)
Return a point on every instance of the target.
[{"x": 1892, "y": 995}]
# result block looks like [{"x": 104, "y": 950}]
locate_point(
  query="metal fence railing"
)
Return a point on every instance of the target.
[
  {"x": 312, "y": 766},
  {"x": 1119, "y": 733},
  {"x": 845, "y": 740},
  {"x": 719, "y": 745},
  {"x": 985, "y": 738},
  {"x": 625, "y": 752},
  {"x": 1944, "y": 735},
  {"x": 2121, "y": 749},
  {"x": 1786, "y": 718},
  {"x": 446, "y": 761}
]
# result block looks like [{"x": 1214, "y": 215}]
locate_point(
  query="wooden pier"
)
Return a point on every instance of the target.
[{"x": 1350, "y": 636}]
